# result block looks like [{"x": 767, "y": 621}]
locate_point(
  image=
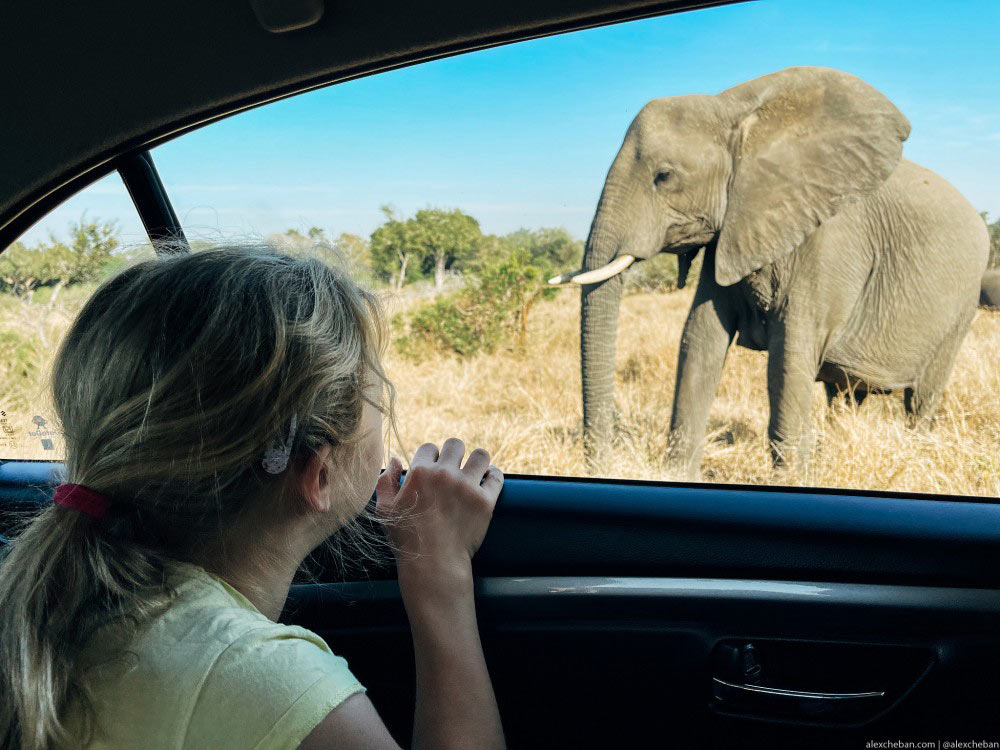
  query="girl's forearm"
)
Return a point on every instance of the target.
[{"x": 456, "y": 707}]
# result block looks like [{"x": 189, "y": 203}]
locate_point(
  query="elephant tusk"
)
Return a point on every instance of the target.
[
  {"x": 598, "y": 274},
  {"x": 563, "y": 278},
  {"x": 613, "y": 268}
]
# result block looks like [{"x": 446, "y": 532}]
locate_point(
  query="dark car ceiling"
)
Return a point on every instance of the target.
[{"x": 85, "y": 82}]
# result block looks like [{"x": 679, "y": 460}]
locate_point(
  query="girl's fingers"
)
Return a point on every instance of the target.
[
  {"x": 452, "y": 452},
  {"x": 493, "y": 482},
  {"x": 388, "y": 483},
  {"x": 477, "y": 464},
  {"x": 425, "y": 454}
]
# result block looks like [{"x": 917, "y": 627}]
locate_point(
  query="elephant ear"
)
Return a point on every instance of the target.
[{"x": 806, "y": 143}]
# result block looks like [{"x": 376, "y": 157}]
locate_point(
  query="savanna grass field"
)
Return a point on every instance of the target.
[{"x": 524, "y": 406}]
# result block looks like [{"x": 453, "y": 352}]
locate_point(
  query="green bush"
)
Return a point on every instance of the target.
[
  {"x": 491, "y": 310},
  {"x": 659, "y": 274},
  {"x": 57, "y": 264},
  {"x": 21, "y": 358},
  {"x": 453, "y": 323}
]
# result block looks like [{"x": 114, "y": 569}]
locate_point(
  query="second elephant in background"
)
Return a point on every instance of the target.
[{"x": 989, "y": 289}]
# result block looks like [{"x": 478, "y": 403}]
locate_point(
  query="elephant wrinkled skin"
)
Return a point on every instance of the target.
[{"x": 823, "y": 246}]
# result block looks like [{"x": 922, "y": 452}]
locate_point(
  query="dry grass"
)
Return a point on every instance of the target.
[
  {"x": 30, "y": 333},
  {"x": 525, "y": 408}
]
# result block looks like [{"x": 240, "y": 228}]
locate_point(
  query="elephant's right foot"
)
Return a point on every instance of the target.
[
  {"x": 683, "y": 466},
  {"x": 682, "y": 474},
  {"x": 790, "y": 461}
]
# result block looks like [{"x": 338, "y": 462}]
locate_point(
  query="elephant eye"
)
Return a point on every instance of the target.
[{"x": 661, "y": 177}]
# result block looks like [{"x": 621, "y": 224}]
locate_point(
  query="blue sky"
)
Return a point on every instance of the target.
[{"x": 523, "y": 135}]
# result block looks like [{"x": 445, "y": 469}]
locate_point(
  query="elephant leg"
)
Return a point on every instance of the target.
[
  {"x": 922, "y": 399},
  {"x": 708, "y": 332},
  {"x": 791, "y": 373}
]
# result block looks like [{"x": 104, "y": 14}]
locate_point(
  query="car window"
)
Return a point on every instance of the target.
[
  {"x": 848, "y": 212},
  {"x": 787, "y": 211},
  {"x": 45, "y": 278}
]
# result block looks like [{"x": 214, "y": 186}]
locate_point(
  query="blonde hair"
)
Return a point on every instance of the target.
[{"x": 169, "y": 384}]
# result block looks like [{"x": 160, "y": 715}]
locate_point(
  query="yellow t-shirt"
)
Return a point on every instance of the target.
[{"x": 211, "y": 671}]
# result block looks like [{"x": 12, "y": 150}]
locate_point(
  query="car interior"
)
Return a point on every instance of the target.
[{"x": 613, "y": 613}]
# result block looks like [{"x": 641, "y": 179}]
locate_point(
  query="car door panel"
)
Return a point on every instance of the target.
[
  {"x": 581, "y": 661},
  {"x": 611, "y": 612}
]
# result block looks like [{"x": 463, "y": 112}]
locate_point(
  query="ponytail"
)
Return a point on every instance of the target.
[{"x": 58, "y": 580}]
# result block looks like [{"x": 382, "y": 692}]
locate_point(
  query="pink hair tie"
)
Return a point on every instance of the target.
[{"x": 81, "y": 498}]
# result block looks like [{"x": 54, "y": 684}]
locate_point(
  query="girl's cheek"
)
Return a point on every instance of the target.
[{"x": 375, "y": 453}]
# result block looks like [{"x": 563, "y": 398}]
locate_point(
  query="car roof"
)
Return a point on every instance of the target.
[{"x": 85, "y": 83}]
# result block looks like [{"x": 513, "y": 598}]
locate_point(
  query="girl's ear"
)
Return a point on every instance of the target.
[{"x": 315, "y": 480}]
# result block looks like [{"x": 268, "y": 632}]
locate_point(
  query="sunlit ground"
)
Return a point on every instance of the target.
[{"x": 525, "y": 408}]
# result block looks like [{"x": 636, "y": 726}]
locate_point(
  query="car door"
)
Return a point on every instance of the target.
[
  {"x": 626, "y": 613},
  {"x": 614, "y": 611}
]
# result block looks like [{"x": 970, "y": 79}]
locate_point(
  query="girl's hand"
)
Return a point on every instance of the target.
[{"x": 438, "y": 518}]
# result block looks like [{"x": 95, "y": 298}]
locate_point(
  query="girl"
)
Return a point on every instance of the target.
[{"x": 223, "y": 417}]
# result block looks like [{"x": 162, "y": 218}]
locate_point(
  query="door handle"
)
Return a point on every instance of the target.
[{"x": 771, "y": 702}]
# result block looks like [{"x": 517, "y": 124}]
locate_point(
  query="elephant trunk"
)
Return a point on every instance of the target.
[{"x": 598, "y": 328}]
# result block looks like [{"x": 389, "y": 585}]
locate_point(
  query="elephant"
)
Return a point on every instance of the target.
[
  {"x": 823, "y": 246},
  {"x": 989, "y": 292}
]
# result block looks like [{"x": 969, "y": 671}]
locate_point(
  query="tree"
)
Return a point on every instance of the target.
[
  {"x": 24, "y": 269},
  {"x": 293, "y": 242},
  {"x": 91, "y": 245},
  {"x": 550, "y": 248},
  {"x": 395, "y": 250},
  {"x": 88, "y": 253},
  {"x": 446, "y": 238},
  {"x": 200, "y": 246},
  {"x": 514, "y": 285},
  {"x": 354, "y": 250},
  {"x": 347, "y": 251},
  {"x": 492, "y": 249},
  {"x": 430, "y": 242}
]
